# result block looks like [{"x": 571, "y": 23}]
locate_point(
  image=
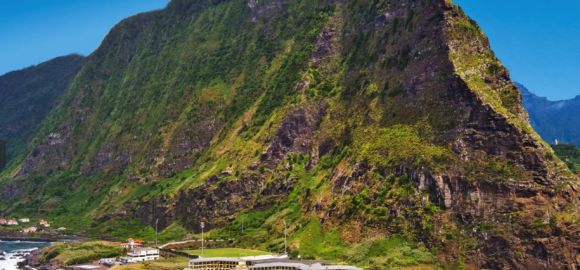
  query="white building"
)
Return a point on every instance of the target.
[
  {"x": 261, "y": 263},
  {"x": 108, "y": 261},
  {"x": 24, "y": 220},
  {"x": 141, "y": 254},
  {"x": 12, "y": 222},
  {"x": 300, "y": 266}
]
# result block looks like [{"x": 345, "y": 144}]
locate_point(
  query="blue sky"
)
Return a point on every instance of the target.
[
  {"x": 538, "y": 40},
  {"x": 33, "y": 31}
]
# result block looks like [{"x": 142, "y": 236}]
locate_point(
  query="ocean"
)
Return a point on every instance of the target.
[{"x": 11, "y": 249}]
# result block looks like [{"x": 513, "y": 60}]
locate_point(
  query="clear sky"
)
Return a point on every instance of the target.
[
  {"x": 33, "y": 31},
  {"x": 538, "y": 40}
]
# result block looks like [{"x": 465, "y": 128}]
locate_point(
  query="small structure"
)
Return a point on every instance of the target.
[
  {"x": 44, "y": 223},
  {"x": 141, "y": 254},
  {"x": 108, "y": 261},
  {"x": 12, "y": 222},
  {"x": 30, "y": 230},
  {"x": 3, "y": 221},
  {"x": 61, "y": 229},
  {"x": 217, "y": 264},
  {"x": 24, "y": 220},
  {"x": 132, "y": 243}
]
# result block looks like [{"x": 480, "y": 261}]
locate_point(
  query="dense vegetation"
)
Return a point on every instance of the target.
[
  {"x": 79, "y": 253},
  {"x": 569, "y": 154},
  {"x": 381, "y": 133},
  {"x": 27, "y": 97}
]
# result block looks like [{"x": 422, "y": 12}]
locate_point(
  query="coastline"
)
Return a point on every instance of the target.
[
  {"x": 30, "y": 239},
  {"x": 18, "y": 236}
]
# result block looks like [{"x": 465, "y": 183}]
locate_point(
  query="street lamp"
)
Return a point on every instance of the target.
[
  {"x": 202, "y": 241},
  {"x": 156, "y": 231},
  {"x": 285, "y": 250}
]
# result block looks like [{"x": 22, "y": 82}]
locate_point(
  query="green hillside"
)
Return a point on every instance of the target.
[
  {"x": 28, "y": 95},
  {"x": 384, "y": 133},
  {"x": 569, "y": 154}
]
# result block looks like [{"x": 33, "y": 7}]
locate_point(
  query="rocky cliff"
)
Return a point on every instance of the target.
[{"x": 386, "y": 133}]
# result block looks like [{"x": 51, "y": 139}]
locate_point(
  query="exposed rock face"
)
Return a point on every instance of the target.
[
  {"x": 53, "y": 155},
  {"x": 294, "y": 135},
  {"x": 187, "y": 144}
]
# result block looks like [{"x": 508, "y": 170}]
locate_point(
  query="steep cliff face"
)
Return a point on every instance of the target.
[
  {"x": 359, "y": 123},
  {"x": 27, "y": 97}
]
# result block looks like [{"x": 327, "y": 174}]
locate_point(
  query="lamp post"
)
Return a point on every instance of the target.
[
  {"x": 202, "y": 240},
  {"x": 285, "y": 249},
  {"x": 156, "y": 231}
]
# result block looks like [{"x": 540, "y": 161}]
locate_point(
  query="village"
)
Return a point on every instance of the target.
[
  {"x": 26, "y": 226},
  {"x": 208, "y": 259}
]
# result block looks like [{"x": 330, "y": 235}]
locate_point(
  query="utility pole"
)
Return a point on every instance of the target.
[
  {"x": 285, "y": 237},
  {"x": 202, "y": 240},
  {"x": 156, "y": 231}
]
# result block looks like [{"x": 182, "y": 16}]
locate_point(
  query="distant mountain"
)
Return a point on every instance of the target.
[
  {"x": 26, "y": 97},
  {"x": 553, "y": 120}
]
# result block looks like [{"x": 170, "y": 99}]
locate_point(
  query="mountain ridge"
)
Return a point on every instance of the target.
[
  {"x": 554, "y": 120},
  {"x": 27, "y": 97},
  {"x": 355, "y": 122}
]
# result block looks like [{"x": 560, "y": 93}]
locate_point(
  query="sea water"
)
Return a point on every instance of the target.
[{"x": 14, "y": 252}]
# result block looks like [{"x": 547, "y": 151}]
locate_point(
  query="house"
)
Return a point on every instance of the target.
[
  {"x": 24, "y": 220},
  {"x": 141, "y": 254},
  {"x": 44, "y": 223},
  {"x": 3, "y": 221},
  {"x": 132, "y": 243},
  {"x": 12, "y": 222},
  {"x": 30, "y": 230}
]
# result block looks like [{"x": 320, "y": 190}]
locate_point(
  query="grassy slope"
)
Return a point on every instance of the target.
[
  {"x": 177, "y": 263},
  {"x": 78, "y": 253}
]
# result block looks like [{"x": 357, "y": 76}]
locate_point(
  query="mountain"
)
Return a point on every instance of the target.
[
  {"x": 554, "y": 120},
  {"x": 28, "y": 95},
  {"x": 384, "y": 133}
]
